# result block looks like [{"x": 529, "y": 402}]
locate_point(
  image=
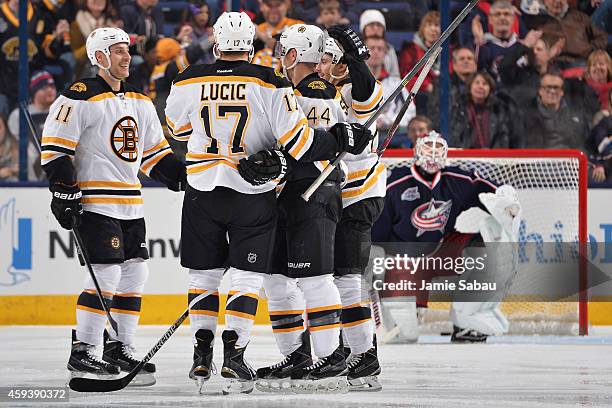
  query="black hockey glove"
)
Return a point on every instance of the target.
[
  {"x": 171, "y": 172},
  {"x": 66, "y": 204},
  {"x": 350, "y": 42},
  {"x": 351, "y": 137},
  {"x": 264, "y": 166}
]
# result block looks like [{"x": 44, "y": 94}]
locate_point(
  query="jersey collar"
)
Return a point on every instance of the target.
[
  {"x": 108, "y": 88},
  {"x": 306, "y": 79},
  {"x": 429, "y": 184}
]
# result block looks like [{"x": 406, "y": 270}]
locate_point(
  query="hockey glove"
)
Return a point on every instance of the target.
[
  {"x": 171, "y": 172},
  {"x": 66, "y": 204},
  {"x": 350, "y": 42},
  {"x": 264, "y": 166},
  {"x": 352, "y": 138}
]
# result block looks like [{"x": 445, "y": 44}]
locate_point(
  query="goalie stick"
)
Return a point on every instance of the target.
[
  {"x": 97, "y": 385},
  {"x": 411, "y": 74},
  {"x": 75, "y": 233}
]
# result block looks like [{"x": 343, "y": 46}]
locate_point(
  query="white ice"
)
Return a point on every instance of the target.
[{"x": 508, "y": 372}]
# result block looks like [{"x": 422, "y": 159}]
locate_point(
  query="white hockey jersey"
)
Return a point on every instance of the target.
[
  {"x": 367, "y": 176},
  {"x": 109, "y": 136},
  {"x": 229, "y": 110},
  {"x": 324, "y": 107}
]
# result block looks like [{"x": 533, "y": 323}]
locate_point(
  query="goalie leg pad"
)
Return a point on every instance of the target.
[
  {"x": 90, "y": 315},
  {"x": 242, "y": 301},
  {"x": 323, "y": 307},
  {"x": 204, "y": 314},
  {"x": 356, "y": 317},
  {"x": 400, "y": 321},
  {"x": 125, "y": 308},
  {"x": 286, "y": 307}
]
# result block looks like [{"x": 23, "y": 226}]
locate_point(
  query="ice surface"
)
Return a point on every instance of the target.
[{"x": 509, "y": 372}]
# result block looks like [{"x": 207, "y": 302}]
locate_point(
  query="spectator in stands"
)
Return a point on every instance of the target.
[
  {"x": 310, "y": 11},
  {"x": 43, "y": 94},
  {"x": 196, "y": 28},
  {"x": 600, "y": 141},
  {"x": 418, "y": 126},
  {"x": 140, "y": 75},
  {"x": 276, "y": 21},
  {"x": 378, "y": 50},
  {"x": 47, "y": 42},
  {"x": 330, "y": 14},
  {"x": 491, "y": 46},
  {"x": 521, "y": 67},
  {"x": 552, "y": 122},
  {"x": 464, "y": 66},
  {"x": 9, "y": 153},
  {"x": 480, "y": 119},
  {"x": 602, "y": 17},
  {"x": 372, "y": 24},
  {"x": 429, "y": 31},
  {"x": 92, "y": 14},
  {"x": 580, "y": 34},
  {"x": 143, "y": 19},
  {"x": 598, "y": 75}
]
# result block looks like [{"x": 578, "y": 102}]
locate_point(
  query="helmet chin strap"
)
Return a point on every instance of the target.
[
  {"x": 331, "y": 74},
  {"x": 107, "y": 69},
  {"x": 286, "y": 69}
]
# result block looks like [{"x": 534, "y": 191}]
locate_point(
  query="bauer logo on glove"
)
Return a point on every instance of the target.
[{"x": 263, "y": 167}]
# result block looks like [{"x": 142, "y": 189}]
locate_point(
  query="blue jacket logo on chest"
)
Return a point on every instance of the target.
[
  {"x": 431, "y": 216},
  {"x": 410, "y": 194}
]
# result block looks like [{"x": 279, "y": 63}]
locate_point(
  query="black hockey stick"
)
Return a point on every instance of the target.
[
  {"x": 97, "y": 385},
  {"x": 411, "y": 74},
  {"x": 407, "y": 102},
  {"x": 75, "y": 233}
]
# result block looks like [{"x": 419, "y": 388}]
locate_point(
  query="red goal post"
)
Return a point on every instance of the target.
[{"x": 531, "y": 170}]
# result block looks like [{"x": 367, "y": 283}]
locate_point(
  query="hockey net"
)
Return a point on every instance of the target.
[{"x": 552, "y": 188}]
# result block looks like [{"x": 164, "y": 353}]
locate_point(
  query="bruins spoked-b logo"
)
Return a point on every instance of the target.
[{"x": 124, "y": 139}]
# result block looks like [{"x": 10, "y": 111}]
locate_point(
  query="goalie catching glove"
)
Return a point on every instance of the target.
[
  {"x": 264, "y": 166},
  {"x": 66, "y": 205},
  {"x": 351, "y": 43},
  {"x": 506, "y": 211}
]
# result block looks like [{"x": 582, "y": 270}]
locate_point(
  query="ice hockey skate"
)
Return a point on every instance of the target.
[
  {"x": 240, "y": 376},
  {"x": 277, "y": 377},
  {"x": 85, "y": 363},
  {"x": 467, "y": 336},
  {"x": 363, "y": 371},
  {"x": 202, "y": 366},
  {"x": 327, "y": 375},
  {"x": 122, "y": 355}
]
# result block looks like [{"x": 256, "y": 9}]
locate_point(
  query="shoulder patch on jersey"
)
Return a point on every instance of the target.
[
  {"x": 317, "y": 85},
  {"x": 78, "y": 87},
  {"x": 278, "y": 73}
]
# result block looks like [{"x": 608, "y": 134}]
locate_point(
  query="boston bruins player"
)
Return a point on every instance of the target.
[
  {"x": 304, "y": 260},
  {"x": 362, "y": 202},
  {"x": 98, "y": 135},
  {"x": 227, "y": 111}
]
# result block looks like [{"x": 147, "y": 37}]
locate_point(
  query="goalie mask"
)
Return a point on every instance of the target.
[
  {"x": 233, "y": 32},
  {"x": 307, "y": 40},
  {"x": 430, "y": 152}
]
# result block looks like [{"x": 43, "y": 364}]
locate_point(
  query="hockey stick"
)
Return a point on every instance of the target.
[
  {"x": 449, "y": 30},
  {"x": 75, "y": 233},
  {"x": 97, "y": 385},
  {"x": 408, "y": 101}
]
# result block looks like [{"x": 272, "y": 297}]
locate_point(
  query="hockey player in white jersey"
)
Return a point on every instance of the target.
[
  {"x": 99, "y": 134},
  {"x": 303, "y": 261},
  {"x": 233, "y": 115},
  {"x": 362, "y": 201}
]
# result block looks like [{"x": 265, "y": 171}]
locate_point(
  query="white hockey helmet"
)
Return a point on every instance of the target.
[
  {"x": 430, "y": 152},
  {"x": 307, "y": 40},
  {"x": 234, "y": 31},
  {"x": 332, "y": 48},
  {"x": 101, "y": 39}
]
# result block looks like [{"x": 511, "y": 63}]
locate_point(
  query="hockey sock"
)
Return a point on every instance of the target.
[
  {"x": 204, "y": 314},
  {"x": 242, "y": 301},
  {"x": 323, "y": 310},
  {"x": 356, "y": 317},
  {"x": 286, "y": 309},
  {"x": 90, "y": 315},
  {"x": 125, "y": 307}
]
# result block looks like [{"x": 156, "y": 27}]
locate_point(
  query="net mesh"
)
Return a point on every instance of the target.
[{"x": 548, "y": 190}]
